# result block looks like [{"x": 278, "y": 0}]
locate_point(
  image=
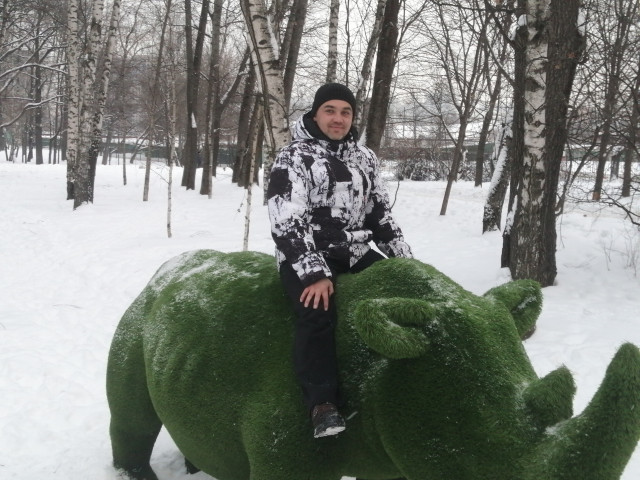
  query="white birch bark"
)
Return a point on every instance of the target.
[
  {"x": 270, "y": 75},
  {"x": 172, "y": 146},
  {"x": 536, "y": 59},
  {"x": 332, "y": 56},
  {"x": 73, "y": 105},
  {"x": 82, "y": 192},
  {"x": 492, "y": 216},
  {"x": 534, "y": 115},
  {"x": 249, "y": 187},
  {"x": 114, "y": 24}
]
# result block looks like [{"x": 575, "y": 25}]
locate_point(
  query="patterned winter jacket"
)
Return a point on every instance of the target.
[{"x": 326, "y": 200}]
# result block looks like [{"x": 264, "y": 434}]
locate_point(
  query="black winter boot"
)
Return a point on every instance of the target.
[{"x": 326, "y": 420}]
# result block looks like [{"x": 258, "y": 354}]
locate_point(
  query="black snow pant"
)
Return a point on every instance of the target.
[{"x": 314, "y": 350}]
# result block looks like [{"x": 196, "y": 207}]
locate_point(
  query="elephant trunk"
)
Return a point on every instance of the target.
[{"x": 597, "y": 444}]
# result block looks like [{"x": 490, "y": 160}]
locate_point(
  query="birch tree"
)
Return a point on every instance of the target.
[
  {"x": 88, "y": 91},
  {"x": 492, "y": 216},
  {"x": 73, "y": 100},
  {"x": 270, "y": 78},
  {"x": 554, "y": 45},
  {"x": 332, "y": 55}
]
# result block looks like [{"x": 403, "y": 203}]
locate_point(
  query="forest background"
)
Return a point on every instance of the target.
[{"x": 530, "y": 94}]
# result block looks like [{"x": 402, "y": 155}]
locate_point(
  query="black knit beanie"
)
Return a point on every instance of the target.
[{"x": 332, "y": 91}]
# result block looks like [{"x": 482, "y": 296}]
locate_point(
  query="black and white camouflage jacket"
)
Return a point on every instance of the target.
[{"x": 327, "y": 200}]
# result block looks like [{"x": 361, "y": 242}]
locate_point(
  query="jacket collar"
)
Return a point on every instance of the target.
[{"x": 306, "y": 128}]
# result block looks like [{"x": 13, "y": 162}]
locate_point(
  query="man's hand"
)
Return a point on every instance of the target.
[{"x": 321, "y": 290}]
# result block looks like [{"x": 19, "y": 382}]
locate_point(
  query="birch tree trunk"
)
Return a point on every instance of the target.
[
  {"x": 270, "y": 79},
  {"x": 492, "y": 217},
  {"x": 553, "y": 49},
  {"x": 172, "y": 148},
  {"x": 249, "y": 186},
  {"x": 82, "y": 186},
  {"x": 170, "y": 108},
  {"x": 92, "y": 93},
  {"x": 332, "y": 55},
  {"x": 100, "y": 91},
  {"x": 73, "y": 104}
]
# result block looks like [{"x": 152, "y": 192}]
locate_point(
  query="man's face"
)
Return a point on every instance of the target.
[{"x": 334, "y": 119}]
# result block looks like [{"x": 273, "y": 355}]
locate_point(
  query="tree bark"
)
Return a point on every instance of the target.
[
  {"x": 492, "y": 217},
  {"x": 296, "y": 26},
  {"x": 554, "y": 47},
  {"x": 212, "y": 118},
  {"x": 383, "y": 76},
  {"x": 100, "y": 91},
  {"x": 632, "y": 138},
  {"x": 270, "y": 78},
  {"x": 194, "y": 62},
  {"x": 332, "y": 55},
  {"x": 73, "y": 103},
  {"x": 367, "y": 62}
]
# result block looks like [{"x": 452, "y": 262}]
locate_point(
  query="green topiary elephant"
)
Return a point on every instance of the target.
[{"x": 437, "y": 384}]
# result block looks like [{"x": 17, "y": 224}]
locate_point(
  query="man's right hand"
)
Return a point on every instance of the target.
[{"x": 321, "y": 290}]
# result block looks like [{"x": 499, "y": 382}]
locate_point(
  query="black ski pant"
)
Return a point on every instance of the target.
[{"x": 314, "y": 350}]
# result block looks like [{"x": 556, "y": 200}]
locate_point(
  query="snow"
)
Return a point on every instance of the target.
[{"x": 68, "y": 276}]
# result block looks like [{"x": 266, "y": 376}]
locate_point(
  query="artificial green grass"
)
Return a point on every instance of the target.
[{"x": 436, "y": 382}]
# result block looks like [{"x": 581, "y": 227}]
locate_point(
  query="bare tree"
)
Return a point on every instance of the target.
[
  {"x": 153, "y": 98},
  {"x": 385, "y": 65},
  {"x": 290, "y": 49},
  {"x": 194, "y": 63},
  {"x": 614, "y": 35},
  {"x": 631, "y": 149},
  {"x": 496, "y": 53},
  {"x": 359, "y": 116}
]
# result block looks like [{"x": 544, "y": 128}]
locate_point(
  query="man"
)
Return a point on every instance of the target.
[{"x": 326, "y": 203}]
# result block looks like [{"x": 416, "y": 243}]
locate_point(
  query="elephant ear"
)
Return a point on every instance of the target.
[
  {"x": 523, "y": 298},
  {"x": 394, "y": 327}
]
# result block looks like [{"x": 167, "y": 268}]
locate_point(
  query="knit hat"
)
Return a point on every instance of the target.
[{"x": 332, "y": 91}]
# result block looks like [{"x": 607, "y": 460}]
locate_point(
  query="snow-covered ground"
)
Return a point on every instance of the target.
[{"x": 67, "y": 276}]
